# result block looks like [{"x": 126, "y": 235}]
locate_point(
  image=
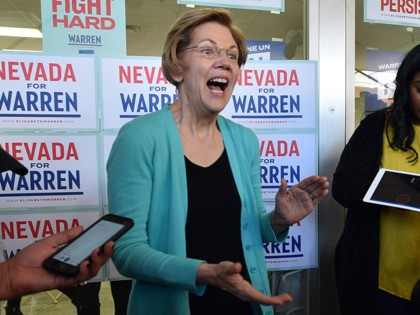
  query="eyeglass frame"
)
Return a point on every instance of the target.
[{"x": 218, "y": 51}]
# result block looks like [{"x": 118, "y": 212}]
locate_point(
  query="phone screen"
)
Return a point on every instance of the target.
[{"x": 77, "y": 251}]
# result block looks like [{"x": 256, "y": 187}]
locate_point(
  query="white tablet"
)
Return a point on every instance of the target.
[{"x": 395, "y": 189}]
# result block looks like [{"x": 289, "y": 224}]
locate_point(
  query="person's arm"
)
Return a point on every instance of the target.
[
  {"x": 359, "y": 163},
  {"x": 24, "y": 274},
  {"x": 147, "y": 182}
]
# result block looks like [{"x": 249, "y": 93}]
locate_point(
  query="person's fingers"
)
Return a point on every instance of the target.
[
  {"x": 89, "y": 269},
  {"x": 316, "y": 188},
  {"x": 99, "y": 257},
  {"x": 319, "y": 190},
  {"x": 278, "y": 299},
  {"x": 252, "y": 294},
  {"x": 283, "y": 185},
  {"x": 234, "y": 268},
  {"x": 64, "y": 236},
  {"x": 107, "y": 251}
]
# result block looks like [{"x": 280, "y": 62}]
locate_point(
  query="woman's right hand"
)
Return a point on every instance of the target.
[{"x": 227, "y": 276}]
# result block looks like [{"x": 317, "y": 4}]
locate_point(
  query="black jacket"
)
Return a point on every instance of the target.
[{"x": 357, "y": 251}]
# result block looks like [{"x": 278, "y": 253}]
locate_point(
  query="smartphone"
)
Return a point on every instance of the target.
[{"x": 67, "y": 259}]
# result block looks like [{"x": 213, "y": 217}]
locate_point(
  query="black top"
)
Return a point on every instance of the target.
[
  {"x": 213, "y": 231},
  {"x": 357, "y": 252}
]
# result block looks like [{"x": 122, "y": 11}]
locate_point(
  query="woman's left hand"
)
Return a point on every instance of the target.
[{"x": 294, "y": 204}]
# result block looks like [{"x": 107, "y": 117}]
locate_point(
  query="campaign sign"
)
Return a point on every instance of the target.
[
  {"x": 392, "y": 12},
  {"x": 381, "y": 69},
  {"x": 298, "y": 251},
  {"x": 63, "y": 171},
  {"x": 47, "y": 92},
  {"x": 288, "y": 156},
  {"x": 20, "y": 230},
  {"x": 84, "y": 27},
  {"x": 275, "y": 94},
  {"x": 259, "y": 50},
  {"x": 132, "y": 87},
  {"x": 108, "y": 140}
]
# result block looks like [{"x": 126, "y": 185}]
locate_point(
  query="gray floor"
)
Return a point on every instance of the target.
[{"x": 55, "y": 303}]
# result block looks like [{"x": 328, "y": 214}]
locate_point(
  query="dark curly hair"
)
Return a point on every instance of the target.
[{"x": 399, "y": 121}]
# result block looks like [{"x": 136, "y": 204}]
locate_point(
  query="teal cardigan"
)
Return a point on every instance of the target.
[{"x": 147, "y": 182}]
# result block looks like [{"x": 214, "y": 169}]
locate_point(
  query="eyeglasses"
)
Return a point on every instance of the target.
[{"x": 213, "y": 51}]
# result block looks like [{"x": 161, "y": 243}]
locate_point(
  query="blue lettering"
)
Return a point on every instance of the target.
[
  {"x": 85, "y": 39},
  {"x": 274, "y": 174},
  {"x": 42, "y": 102},
  {"x": 45, "y": 180},
  {"x": 267, "y": 104},
  {"x": 291, "y": 244},
  {"x": 137, "y": 103}
]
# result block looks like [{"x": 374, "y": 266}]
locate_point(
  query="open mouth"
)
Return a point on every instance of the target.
[{"x": 217, "y": 84}]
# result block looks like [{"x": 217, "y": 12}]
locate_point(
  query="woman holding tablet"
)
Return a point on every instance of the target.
[{"x": 377, "y": 256}]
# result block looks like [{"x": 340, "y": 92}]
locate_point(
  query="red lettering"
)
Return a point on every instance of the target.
[
  {"x": 84, "y": 22},
  {"x": 27, "y": 71},
  {"x": 35, "y": 229},
  {"x": 279, "y": 148},
  {"x": 76, "y": 21},
  {"x": 294, "y": 80},
  {"x": 48, "y": 229},
  {"x": 401, "y": 6},
  {"x": 135, "y": 74},
  {"x": 7, "y": 231},
  {"x": 14, "y": 70},
  {"x": 30, "y": 151},
  {"x": 384, "y": 4},
  {"x": 149, "y": 76},
  {"x": 20, "y": 229},
  {"x": 42, "y": 150},
  {"x": 280, "y": 77},
  {"x": 55, "y": 5},
  {"x": 108, "y": 7},
  {"x": 82, "y": 7}
]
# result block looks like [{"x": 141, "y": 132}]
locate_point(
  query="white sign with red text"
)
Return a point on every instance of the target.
[
  {"x": 275, "y": 94},
  {"x": 132, "y": 87},
  {"x": 394, "y": 12},
  {"x": 300, "y": 248},
  {"x": 289, "y": 156},
  {"x": 63, "y": 171},
  {"x": 47, "y": 92}
]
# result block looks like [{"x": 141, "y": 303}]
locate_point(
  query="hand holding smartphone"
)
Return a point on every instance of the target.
[{"x": 67, "y": 259}]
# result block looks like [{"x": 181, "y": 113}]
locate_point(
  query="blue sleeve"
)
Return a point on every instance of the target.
[{"x": 132, "y": 170}]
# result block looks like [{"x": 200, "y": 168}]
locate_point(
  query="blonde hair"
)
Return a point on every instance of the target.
[{"x": 179, "y": 37}]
